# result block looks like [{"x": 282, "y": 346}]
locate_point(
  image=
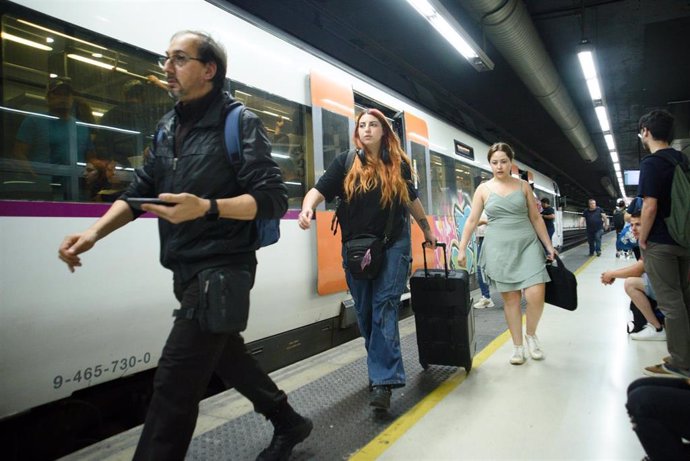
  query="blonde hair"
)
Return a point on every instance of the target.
[{"x": 364, "y": 177}]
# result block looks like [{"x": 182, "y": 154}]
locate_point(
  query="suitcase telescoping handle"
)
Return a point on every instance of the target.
[{"x": 445, "y": 261}]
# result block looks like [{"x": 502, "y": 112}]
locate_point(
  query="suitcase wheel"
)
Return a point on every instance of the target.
[{"x": 468, "y": 367}]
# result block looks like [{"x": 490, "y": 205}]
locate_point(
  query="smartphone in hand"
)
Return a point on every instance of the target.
[{"x": 137, "y": 202}]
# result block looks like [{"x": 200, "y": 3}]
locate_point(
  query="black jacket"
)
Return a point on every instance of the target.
[{"x": 202, "y": 167}]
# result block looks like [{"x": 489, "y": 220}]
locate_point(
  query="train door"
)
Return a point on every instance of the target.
[
  {"x": 333, "y": 122},
  {"x": 415, "y": 141}
]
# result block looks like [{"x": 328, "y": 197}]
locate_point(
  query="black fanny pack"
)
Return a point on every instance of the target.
[
  {"x": 364, "y": 256},
  {"x": 364, "y": 253}
]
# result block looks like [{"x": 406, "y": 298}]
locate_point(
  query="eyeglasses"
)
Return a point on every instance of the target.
[{"x": 178, "y": 60}]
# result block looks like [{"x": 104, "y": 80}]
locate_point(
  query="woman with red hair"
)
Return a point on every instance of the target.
[{"x": 376, "y": 188}]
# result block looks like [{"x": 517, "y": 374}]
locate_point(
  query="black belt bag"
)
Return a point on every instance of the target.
[
  {"x": 223, "y": 300},
  {"x": 364, "y": 253},
  {"x": 364, "y": 256}
]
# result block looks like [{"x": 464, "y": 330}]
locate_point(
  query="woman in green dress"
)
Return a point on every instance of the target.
[{"x": 512, "y": 259}]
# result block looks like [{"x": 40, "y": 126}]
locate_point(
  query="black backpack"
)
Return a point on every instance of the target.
[{"x": 619, "y": 219}]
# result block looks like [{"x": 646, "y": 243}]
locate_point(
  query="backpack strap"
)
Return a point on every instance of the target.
[
  {"x": 231, "y": 135},
  {"x": 683, "y": 164}
]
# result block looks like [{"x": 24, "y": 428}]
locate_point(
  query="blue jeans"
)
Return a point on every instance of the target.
[
  {"x": 594, "y": 240},
  {"x": 376, "y": 303},
  {"x": 482, "y": 285}
]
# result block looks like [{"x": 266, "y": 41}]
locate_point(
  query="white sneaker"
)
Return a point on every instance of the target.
[
  {"x": 649, "y": 333},
  {"x": 484, "y": 303},
  {"x": 534, "y": 347},
  {"x": 618, "y": 254},
  {"x": 518, "y": 357}
]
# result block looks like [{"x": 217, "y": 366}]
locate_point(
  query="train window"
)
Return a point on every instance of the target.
[
  {"x": 451, "y": 184},
  {"x": 78, "y": 111},
  {"x": 336, "y": 135},
  {"x": 418, "y": 157},
  {"x": 285, "y": 122}
]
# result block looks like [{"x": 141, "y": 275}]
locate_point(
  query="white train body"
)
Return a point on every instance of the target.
[{"x": 61, "y": 332}]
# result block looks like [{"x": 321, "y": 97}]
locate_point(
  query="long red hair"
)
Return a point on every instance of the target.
[{"x": 363, "y": 178}]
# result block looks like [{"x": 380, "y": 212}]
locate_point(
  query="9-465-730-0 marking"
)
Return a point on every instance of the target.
[{"x": 96, "y": 371}]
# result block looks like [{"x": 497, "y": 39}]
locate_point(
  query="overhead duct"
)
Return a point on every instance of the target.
[
  {"x": 509, "y": 27},
  {"x": 608, "y": 185}
]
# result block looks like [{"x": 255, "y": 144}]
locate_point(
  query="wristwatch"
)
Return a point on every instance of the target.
[{"x": 212, "y": 214}]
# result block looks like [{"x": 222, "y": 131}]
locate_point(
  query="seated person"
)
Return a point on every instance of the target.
[
  {"x": 638, "y": 287},
  {"x": 99, "y": 177},
  {"x": 659, "y": 410}
]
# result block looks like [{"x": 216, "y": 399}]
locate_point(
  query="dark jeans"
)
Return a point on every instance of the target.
[
  {"x": 483, "y": 287},
  {"x": 659, "y": 409},
  {"x": 189, "y": 358},
  {"x": 594, "y": 240}
]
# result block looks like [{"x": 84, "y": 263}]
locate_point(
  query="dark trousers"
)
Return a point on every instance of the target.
[
  {"x": 189, "y": 358},
  {"x": 660, "y": 412},
  {"x": 594, "y": 240}
]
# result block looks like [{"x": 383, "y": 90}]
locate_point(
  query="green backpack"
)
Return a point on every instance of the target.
[{"x": 678, "y": 222}]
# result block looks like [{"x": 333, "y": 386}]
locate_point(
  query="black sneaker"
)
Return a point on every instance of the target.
[
  {"x": 599, "y": 253},
  {"x": 381, "y": 397},
  {"x": 284, "y": 440}
]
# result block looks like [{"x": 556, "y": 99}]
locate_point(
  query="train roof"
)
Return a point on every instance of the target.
[{"x": 639, "y": 48}]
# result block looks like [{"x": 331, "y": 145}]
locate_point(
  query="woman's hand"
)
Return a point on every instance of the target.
[
  {"x": 430, "y": 239},
  {"x": 462, "y": 260}
]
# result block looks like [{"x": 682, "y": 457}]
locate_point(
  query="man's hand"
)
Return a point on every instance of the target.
[
  {"x": 186, "y": 207},
  {"x": 607, "y": 278},
  {"x": 73, "y": 245}
]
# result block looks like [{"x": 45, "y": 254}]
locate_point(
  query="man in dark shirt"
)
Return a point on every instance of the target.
[
  {"x": 594, "y": 217},
  {"x": 549, "y": 216},
  {"x": 666, "y": 262}
]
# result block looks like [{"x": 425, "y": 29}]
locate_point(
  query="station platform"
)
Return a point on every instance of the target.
[{"x": 569, "y": 406}]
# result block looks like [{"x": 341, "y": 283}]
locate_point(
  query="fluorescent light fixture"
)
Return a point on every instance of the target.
[
  {"x": 614, "y": 156},
  {"x": 609, "y": 141},
  {"x": 589, "y": 70},
  {"x": 443, "y": 22},
  {"x": 587, "y": 64},
  {"x": 54, "y": 32},
  {"x": 617, "y": 167},
  {"x": 93, "y": 62},
  {"x": 594, "y": 89},
  {"x": 23, "y": 41},
  {"x": 603, "y": 118}
]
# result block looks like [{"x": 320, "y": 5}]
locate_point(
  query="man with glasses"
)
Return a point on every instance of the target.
[
  {"x": 209, "y": 242},
  {"x": 665, "y": 261}
]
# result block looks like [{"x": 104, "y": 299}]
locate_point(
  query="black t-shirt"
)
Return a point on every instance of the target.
[
  {"x": 550, "y": 227},
  {"x": 656, "y": 176},
  {"x": 593, "y": 219},
  {"x": 363, "y": 215}
]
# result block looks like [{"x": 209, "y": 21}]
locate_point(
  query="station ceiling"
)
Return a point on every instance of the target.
[{"x": 640, "y": 48}]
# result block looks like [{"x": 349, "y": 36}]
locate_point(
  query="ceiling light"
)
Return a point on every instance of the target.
[
  {"x": 614, "y": 156},
  {"x": 609, "y": 141},
  {"x": 603, "y": 118},
  {"x": 443, "y": 22},
  {"x": 23, "y": 41}
]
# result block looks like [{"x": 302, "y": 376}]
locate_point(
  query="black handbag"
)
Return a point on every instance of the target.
[{"x": 561, "y": 291}]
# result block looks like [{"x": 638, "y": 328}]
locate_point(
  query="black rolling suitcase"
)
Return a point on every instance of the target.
[{"x": 443, "y": 315}]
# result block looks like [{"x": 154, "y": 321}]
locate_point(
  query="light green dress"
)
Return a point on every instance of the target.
[{"x": 512, "y": 257}]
